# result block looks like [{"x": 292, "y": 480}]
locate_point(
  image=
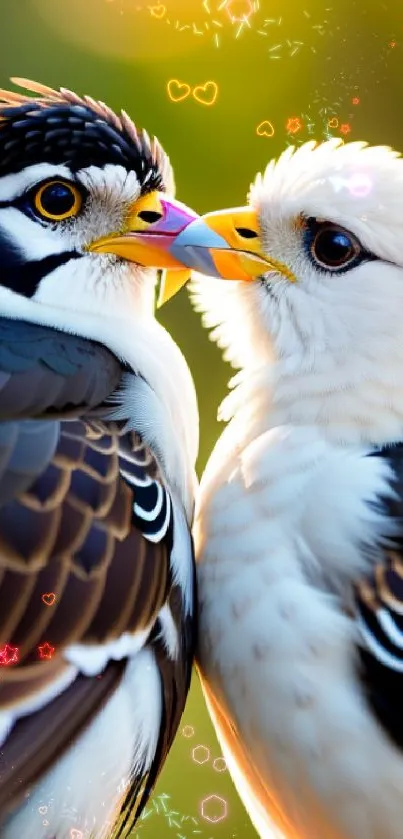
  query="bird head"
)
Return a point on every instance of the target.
[
  {"x": 86, "y": 205},
  {"x": 316, "y": 260},
  {"x": 87, "y": 215}
]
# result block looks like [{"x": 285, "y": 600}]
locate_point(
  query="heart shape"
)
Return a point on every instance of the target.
[
  {"x": 265, "y": 129},
  {"x": 157, "y": 11},
  {"x": 333, "y": 123},
  {"x": 42, "y": 810},
  {"x": 49, "y": 598},
  {"x": 76, "y": 834},
  {"x": 177, "y": 91},
  {"x": 206, "y": 93}
]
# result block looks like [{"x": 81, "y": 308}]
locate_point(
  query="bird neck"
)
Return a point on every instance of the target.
[{"x": 349, "y": 405}]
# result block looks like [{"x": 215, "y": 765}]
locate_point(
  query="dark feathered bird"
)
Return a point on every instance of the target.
[{"x": 98, "y": 440}]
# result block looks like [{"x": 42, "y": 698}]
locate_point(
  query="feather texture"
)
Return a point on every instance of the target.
[
  {"x": 44, "y": 370},
  {"x": 59, "y": 125},
  {"x": 299, "y": 523},
  {"x": 87, "y": 567}
]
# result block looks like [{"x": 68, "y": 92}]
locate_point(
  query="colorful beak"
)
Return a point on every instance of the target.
[
  {"x": 152, "y": 224},
  {"x": 226, "y": 244}
]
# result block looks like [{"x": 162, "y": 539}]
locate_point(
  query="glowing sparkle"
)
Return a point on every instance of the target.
[
  {"x": 178, "y": 90},
  {"x": 206, "y": 94},
  {"x": 157, "y": 11},
  {"x": 201, "y": 754},
  {"x": 239, "y": 11},
  {"x": 355, "y": 100},
  {"x": 219, "y": 764},
  {"x": 214, "y": 809},
  {"x": 45, "y": 651},
  {"x": 8, "y": 655},
  {"x": 293, "y": 125},
  {"x": 265, "y": 129},
  {"x": 188, "y": 731},
  {"x": 359, "y": 185},
  {"x": 49, "y": 598},
  {"x": 345, "y": 128}
]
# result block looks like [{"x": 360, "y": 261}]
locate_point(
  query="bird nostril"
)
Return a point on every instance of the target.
[
  {"x": 150, "y": 216},
  {"x": 246, "y": 233}
]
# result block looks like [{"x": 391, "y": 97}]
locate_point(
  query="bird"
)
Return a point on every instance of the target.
[
  {"x": 98, "y": 442},
  {"x": 299, "y": 520}
]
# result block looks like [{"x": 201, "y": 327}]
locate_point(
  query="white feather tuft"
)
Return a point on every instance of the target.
[{"x": 328, "y": 347}]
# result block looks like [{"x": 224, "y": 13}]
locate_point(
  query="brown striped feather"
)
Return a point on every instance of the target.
[
  {"x": 123, "y": 592},
  {"x": 367, "y": 594},
  {"x": 38, "y": 740}
]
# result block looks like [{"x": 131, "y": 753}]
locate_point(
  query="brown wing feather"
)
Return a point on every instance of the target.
[
  {"x": 38, "y": 740},
  {"x": 95, "y": 558},
  {"x": 119, "y": 578},
  {"x": 76, "y": 563}
]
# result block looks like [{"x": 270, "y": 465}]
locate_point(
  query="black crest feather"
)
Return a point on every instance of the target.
[{"x": 58, "y": 126}]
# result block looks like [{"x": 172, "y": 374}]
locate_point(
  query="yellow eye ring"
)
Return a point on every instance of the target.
[{"x": 57, "y": 200}]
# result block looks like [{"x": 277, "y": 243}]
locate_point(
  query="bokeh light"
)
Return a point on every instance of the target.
[
  {"x": 214, "y": 808},
  {"x": 201, "y": 754},
  {"x": 219, "y": 764},
  {"x": 360, "y": 184}
]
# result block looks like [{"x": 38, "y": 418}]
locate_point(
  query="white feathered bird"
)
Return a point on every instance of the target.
[{"x": 299, "y": 532}]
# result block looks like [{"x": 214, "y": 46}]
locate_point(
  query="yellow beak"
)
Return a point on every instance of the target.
[
  {"x": 227, "y": 244},
  {"x": 151, "y": 226}
]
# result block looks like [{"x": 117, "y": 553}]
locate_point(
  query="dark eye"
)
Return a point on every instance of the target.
[
  {"x": 57, "y": 200},
  {"x": 332, "y": 247}
]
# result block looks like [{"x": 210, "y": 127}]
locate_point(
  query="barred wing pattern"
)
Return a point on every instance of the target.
[
  {"x": 86, "y": 542},
  {"x": 379, "y": 612}
]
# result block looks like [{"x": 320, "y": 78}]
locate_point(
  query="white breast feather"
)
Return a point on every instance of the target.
[{"x": 276, "y": 647}]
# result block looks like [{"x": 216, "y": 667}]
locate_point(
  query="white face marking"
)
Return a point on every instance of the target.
[
  {"x": 94, "y": 282},
  {"x": 14, "y": 185},
  {"x": 112, "y": 182},
  {"x": 110, "y": 189},
  {"x": 32, "y": 240}
]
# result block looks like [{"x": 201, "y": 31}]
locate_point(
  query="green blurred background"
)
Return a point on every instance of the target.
[{"x": 297, "y": 64}]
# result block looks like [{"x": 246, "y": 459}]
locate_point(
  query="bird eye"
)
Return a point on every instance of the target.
[
  {"x": 332, "y": 247},
  {"x": 57, "y": 200}
]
